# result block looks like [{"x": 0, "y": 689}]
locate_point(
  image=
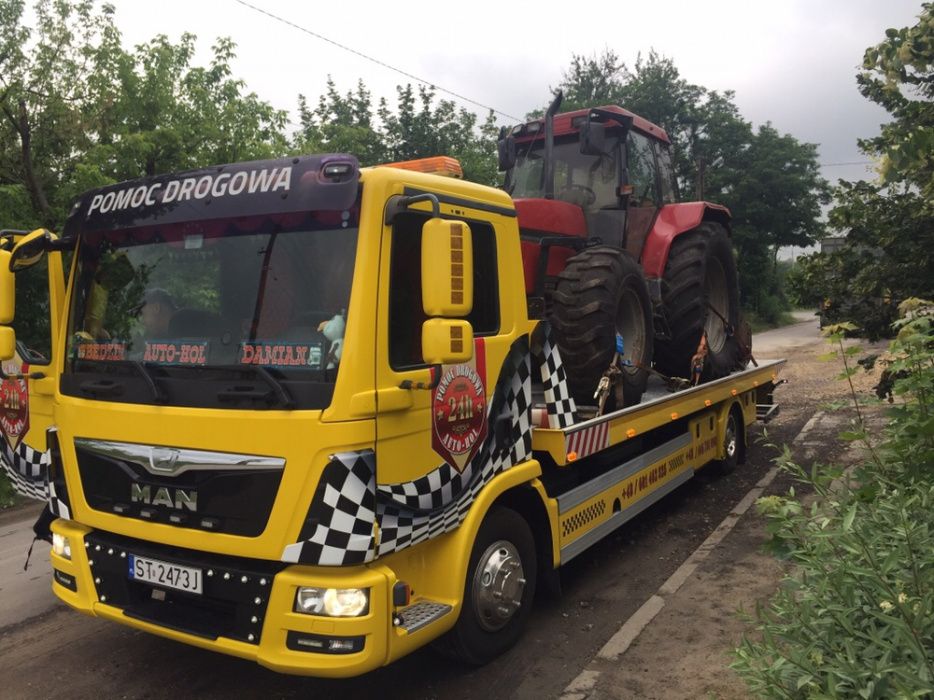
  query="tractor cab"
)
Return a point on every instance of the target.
[{"x": 599, "y": 173}]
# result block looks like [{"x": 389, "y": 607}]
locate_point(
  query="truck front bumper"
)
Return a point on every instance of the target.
[{"x": 246, "y": 608}]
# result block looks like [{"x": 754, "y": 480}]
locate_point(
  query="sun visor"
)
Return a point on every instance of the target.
[{"x": 304, "y": 183}]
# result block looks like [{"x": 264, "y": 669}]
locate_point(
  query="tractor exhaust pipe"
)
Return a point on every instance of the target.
[{"x": 548, "y": 171}]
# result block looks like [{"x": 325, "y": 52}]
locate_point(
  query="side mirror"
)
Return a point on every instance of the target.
[
  {"x": 446, "y": 341},
  {"x": 30, "y": 249},
  {"x": 7, "y": 289},
  {"x": 7, "y": 343},
  {"x": 447, "y": 268},
  {"x": 593, "y": 138},
  {"x": 506, "y": 153}
]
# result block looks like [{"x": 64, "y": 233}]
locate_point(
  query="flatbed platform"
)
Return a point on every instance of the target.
[{"x": 658, "y": 407}]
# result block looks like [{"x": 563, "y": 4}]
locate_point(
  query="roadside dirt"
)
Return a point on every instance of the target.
[{"x": 686, "y": 651}]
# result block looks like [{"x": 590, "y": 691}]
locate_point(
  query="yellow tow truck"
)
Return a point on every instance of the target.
[{"x": 297, "y": 412}]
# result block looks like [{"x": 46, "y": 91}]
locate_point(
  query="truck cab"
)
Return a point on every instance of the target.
[{"x": 230, "y": 336}]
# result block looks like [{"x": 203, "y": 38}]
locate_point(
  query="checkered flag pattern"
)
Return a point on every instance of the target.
[
  {"x": 26, "y": 468},
  {"x": 58, "y": 503},
  {"x": 338, "y": 530},
  {"x": 561, "y": 407},
  {"x": 401, "y": 527},
  {"x": 430, "y": 492},
  {"x": 339, "y": 527}
]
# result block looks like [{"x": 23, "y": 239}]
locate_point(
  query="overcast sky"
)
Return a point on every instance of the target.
[{"x": 791, "y": 63}]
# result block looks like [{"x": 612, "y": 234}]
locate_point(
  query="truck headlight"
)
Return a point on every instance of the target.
[
  {"x": 61, "y": 545},
  {"x": 332, "y": 602}
]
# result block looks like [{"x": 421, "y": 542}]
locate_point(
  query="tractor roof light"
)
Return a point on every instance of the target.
[{"x": 438, "y": 165}]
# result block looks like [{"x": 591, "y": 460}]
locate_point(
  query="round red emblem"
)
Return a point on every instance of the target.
[
  {"x": 459, "y": 415},
  {"x": 14, "y": 405}
]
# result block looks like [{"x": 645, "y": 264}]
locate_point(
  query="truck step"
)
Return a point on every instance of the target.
[
  {"x": 420, "y": 614},
  {"x": 766, "y": 411}
]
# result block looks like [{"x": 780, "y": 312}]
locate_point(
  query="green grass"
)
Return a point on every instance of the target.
[{"x": 8, "y": 496}]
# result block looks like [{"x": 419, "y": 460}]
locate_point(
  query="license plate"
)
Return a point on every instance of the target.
[{"x": 162, "y": 573}]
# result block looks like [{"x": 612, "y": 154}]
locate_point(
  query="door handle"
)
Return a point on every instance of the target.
[
  {"x": 44, "y": 386},
  {"x": 393, "y": 399}
]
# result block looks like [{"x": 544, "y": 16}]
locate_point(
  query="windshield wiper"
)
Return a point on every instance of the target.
[
  {"x": 284, "y": 398},
  {"x": 236, "y": 393},
  {"x": 143, "y": 369},
  {"x": 109, "y": 387}
]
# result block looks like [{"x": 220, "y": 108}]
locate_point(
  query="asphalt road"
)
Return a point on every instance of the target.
[{"x": 48, "y": 650}]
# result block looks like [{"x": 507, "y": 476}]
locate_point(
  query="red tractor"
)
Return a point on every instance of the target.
[{"x": 609, "y": 251}]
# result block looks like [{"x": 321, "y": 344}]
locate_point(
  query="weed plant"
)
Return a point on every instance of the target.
[{"x": 855, "y": 616}]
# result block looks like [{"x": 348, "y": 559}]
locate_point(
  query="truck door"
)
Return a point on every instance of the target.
[
  {"x": 440, "y": 420},
  {"x": 27, "y": 385}
]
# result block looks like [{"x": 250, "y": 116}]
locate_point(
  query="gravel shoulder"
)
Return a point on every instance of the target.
[{"x": 686, "y": 650}]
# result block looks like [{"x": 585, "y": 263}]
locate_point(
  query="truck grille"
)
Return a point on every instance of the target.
[
  {"x": 235, "y": 590},
  {"x": 235, "y": 500}
]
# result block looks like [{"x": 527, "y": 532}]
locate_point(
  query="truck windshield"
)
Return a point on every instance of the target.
[
  {"x": 586, "y": 180},
  {"x": 242, "y": 313}
]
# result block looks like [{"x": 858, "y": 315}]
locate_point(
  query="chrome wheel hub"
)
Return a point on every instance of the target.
[
  {"x": 498, "y": 584},
  {"x": 730, "y": 437}
]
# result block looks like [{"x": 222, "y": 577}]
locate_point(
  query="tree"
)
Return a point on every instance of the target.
[
  {"x": 899, "y": 76},
  {"x": 169, "y": 115},
  {"x": 78, "y": 111},
  {"x": 341, "y": 124},
  {"x": 774, "y": 189},
  {"x": 889, "y": 225},
  {"x": 417, "y": 129},
  {"x": 49, "y": 88},
  {"x": 591, "y": 81}
]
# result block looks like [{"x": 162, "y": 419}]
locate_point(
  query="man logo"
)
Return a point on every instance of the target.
[
  {"x": 171, "y": 498},
  {"x": 162, "y": 459}
]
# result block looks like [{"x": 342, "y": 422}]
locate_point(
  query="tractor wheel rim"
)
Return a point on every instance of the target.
[
  {"x": 498, "y": 584},
  {"x": 629, "y": 324},
  {"x": 718, "y": 298}
]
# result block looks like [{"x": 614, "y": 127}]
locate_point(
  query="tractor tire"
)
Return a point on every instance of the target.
[
  {"x": 602, "y": 292},
  {"x": 700, "y": 289}
]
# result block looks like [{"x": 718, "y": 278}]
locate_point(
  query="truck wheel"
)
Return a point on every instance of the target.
[
  {"x": 602, "y": 292},
  {"x": 700, "y": 291},
  {"x": 498, "y": 591},
  {"x": 732, "y": 444}
]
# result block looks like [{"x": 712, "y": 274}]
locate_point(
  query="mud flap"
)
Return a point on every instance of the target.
[{"x": 42, "y": 527}]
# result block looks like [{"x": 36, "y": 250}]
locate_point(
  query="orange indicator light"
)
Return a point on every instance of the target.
[
  {"x": 572, "y": 456},
  {"x": 631, "y": 433},
  {"x": 708, "y": 403},
  {"x": 674, "y": 416},
  {"x": 733, "y": 392},
  {"x": 439, "y": 165}
]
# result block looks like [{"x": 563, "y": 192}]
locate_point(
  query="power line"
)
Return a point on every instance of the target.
[
  {"x": 375, "y": 60},
  {"x": 852, "y": 162}
]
